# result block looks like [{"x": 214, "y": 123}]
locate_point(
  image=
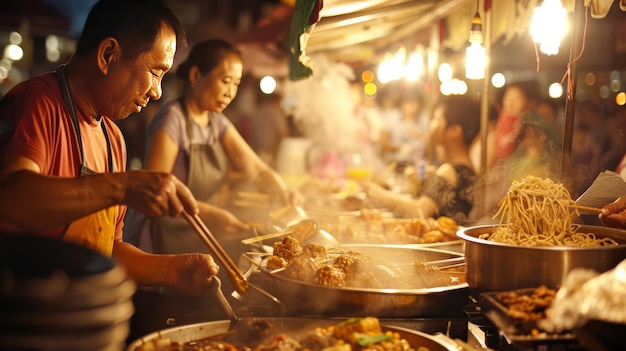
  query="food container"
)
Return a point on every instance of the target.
[
  {"x": 253, "y": 331},
  {"x": 301, "y": 297},
  {"x": 493, "y": 266},
  {"x": 518, "y": 331}
]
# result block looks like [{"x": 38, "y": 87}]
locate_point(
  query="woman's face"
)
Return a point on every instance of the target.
[
  {"x": 514, "y": 101},
  {"x": 217, "y": 89}
]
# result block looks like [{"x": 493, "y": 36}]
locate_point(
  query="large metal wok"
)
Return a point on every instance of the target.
[
  {"x": 300, "y": 297},
  {"x": 253, "y": 331}
]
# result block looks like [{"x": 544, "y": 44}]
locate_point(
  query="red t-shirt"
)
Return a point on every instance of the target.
[
  {"x": 507, "y": 132},
  {"x": 35, "y": 123}
]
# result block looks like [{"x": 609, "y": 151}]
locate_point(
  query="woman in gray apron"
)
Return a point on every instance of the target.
[
  {"x": 194, "y": 140},
  {"x": 191, "y": 138}
]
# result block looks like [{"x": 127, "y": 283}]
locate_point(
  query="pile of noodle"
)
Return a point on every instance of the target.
[{"x": 536, "y": 212}]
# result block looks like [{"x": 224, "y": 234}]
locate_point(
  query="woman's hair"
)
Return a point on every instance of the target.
[
  {"x": 464, "y": 111},
  {"x": 134, "y": 23},
  {"x": 206, "y": 55}
]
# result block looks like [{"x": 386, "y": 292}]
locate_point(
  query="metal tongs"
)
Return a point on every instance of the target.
[{"x": 237, "y": 278}]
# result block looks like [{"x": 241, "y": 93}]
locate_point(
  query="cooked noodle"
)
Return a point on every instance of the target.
[{"x": 536, "y": 212}]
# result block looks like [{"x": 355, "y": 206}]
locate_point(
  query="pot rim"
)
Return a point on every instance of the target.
[{"x": 462, "y": 233}]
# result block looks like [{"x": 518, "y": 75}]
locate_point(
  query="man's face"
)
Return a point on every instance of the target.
[{"x": 130, "y": 84}]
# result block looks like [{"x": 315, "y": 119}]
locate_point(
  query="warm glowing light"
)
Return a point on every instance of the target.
[
  {"x": 615, "y": 85},
  {"x": 13, "y": 52},
  {"x": 397, "y": 64},
  {"x": 267, "y": 85},
  {"x": 453, "y": 87},
  {"x": 548, "y": 26},
  {"x": 498, "y": 80},
  {"x": 385, "y": 71},
  {"x": 475, "y": 61},
  {"x": 367, "y": 76},
  {"x": 475, "y": 57},
  {"x": 620, "y": 98},
  {"x": 413, "y": 69},
  {"x": 444, "y": 72},
  {"x": 15, "y": 38},
  {"x": 370, "y": 89},
  {"x": 590, "y": 78},
  {"x": 555, "y": 90}
]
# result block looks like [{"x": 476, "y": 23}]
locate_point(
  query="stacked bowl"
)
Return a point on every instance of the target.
[{"x": 56, "y": 295}]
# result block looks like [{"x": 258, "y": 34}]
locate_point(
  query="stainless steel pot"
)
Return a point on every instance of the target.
[
  {"x": 307, "y": 298},
  {"x": 246, "y": 332},
  {"x": 493, "y": 266}
]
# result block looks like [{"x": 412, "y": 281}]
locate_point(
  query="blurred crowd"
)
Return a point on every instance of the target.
[{"x": 524, "y": 136}]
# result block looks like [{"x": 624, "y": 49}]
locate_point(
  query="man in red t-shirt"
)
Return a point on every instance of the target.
[{"x": 64, "y": 159}]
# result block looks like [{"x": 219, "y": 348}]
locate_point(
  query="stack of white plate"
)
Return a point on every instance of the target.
[{"x": 59, "y": 296}]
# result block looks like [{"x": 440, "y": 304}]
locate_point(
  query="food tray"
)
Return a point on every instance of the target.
[{"x": 517, "y": 331}]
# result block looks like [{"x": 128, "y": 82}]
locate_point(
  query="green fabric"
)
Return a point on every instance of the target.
[{"x": 301, "y": 23}]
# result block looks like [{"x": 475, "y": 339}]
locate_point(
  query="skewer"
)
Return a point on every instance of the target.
[
  {"x": 448, "y": 262},
  {"x": 237, "y": 278},
  {"x": 254, "y": 253},
  {"x": 266, "y": 236},
  {"x": 251, "y": 260},
  {"x": 242, "y": 203},
  {"x": 278, "y": 270},
  {"x": 586, "y": 208},
  {"x": 254, "y": 195}
]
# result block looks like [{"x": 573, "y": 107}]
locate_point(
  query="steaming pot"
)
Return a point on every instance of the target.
[{"x": 493, "y": 266}]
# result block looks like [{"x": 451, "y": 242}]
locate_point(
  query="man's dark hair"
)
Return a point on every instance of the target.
[{"x": 134, "y": 23}]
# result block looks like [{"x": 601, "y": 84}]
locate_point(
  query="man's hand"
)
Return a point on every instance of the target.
[
  {"x": 158, "y": 194},
  {"x": 191, "y": 273},
  {"x": 614, "y": 214}
]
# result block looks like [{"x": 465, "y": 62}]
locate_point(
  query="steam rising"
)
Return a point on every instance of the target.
[{"x": 322, "y": 106}]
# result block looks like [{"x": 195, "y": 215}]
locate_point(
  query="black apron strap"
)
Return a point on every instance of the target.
[{"x": 69, "y": 104}]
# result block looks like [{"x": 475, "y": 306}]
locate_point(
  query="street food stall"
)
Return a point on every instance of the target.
[{"x": 338, "y": 272}]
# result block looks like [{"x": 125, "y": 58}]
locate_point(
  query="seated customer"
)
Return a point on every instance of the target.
[{"x": 448, "y": 191}]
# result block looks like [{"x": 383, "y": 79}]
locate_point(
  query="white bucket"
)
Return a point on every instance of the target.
[{"x": 291, "y": 157}]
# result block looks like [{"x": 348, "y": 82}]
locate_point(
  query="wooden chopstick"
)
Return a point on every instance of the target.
[
  {"x": 586, "y": 208},
  {"x": 235, "y": 275},
  {"x": 266, "y": 236}
]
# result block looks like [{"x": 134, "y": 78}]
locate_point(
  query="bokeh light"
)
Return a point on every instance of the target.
[
  {"x": 498, "y": 80},
  {"x": 555, "y": 90},
  {"x": 267, "y": 85}
]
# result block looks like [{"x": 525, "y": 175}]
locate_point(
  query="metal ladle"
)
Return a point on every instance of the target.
[
  {"x": 316, "y": 235},
  {"x": 295, "y": 216}
]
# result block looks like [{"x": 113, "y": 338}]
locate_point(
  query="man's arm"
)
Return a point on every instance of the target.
[
  {"x": 190, "y": 273},
  {"x": 35, "y": 201}
]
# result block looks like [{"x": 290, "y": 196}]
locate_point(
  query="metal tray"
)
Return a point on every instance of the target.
[
  {"x": 312, "y": 299},
  {"x": 244, "y": 332},
  {"x": 517, "y": 331}
]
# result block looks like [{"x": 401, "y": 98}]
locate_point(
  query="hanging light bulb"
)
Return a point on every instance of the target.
[
  {"x": 548, "y": 26},
  {"x": 475, "y": 57}
]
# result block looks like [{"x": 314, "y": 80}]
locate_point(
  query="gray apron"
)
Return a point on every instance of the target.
[{"x": 207, "y": 172}]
